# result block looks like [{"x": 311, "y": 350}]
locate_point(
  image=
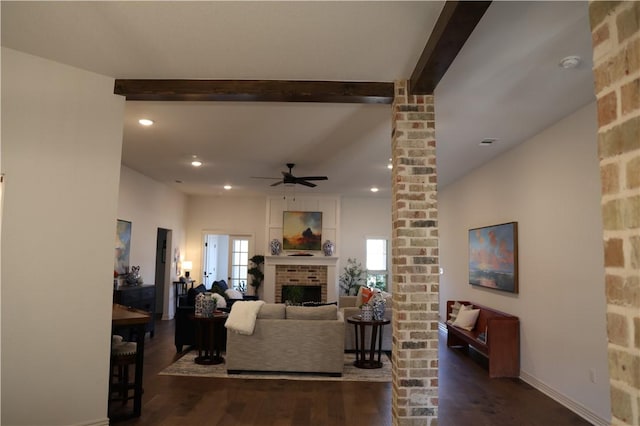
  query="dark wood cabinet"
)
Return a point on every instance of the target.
[{"x": 140, "y": 297}]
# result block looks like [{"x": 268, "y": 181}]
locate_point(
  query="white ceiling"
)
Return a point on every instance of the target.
[{"x": 505, "y": 84}]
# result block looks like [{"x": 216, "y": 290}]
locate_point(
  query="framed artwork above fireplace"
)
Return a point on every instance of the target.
[{"x": 302, "y": 230}]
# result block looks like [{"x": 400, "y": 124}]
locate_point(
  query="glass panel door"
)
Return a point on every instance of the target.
[{"x": 239, "y": 262}]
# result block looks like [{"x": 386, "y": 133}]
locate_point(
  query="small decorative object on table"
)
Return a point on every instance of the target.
[
  {"x": 328, "y": 248},
  {"x": 378, "y": 304},
  {"x": 134, "y": 277},
  {"x": 366, "y": 312},
  {"x": 276, "y": 247},
  {"x": 205, "y": 305}
]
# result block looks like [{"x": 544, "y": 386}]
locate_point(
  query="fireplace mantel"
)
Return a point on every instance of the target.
[
  {"x": 271, "y": 262},
  {"x": 301, "y": 260}
]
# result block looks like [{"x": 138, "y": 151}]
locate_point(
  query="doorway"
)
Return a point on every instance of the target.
[
  {"x": 226, "y": 257},
  {"x": 163, "y": 265}
]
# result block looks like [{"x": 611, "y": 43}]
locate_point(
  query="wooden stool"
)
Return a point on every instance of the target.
[{"x": 123, "y": 355}]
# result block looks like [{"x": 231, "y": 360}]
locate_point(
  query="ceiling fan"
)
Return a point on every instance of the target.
[{"x": 289, "y": 178}]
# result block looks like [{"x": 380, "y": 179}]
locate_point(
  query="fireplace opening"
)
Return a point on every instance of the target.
[{"x": 298, "y": 294}]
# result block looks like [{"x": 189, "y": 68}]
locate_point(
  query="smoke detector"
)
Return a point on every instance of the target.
[{"x": 570, "y": 62}]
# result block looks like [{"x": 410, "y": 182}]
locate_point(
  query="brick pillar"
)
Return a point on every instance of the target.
[
  {"x": 414, "y": 247},
  {"x": 616, "y": 57}
]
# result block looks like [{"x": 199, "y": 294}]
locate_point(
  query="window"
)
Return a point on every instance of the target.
[
  {"x": 377, "y": 271},
  {"x": 239, "y": 263}
]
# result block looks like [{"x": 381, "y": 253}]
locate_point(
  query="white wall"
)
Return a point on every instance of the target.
[
  {"x": 61, "y": 144},
  {"x": 223, "y": 215},
  {"x": 550, "y": 185},
  {"x": 364, "y": 218},
  {"x": 149, "y": 205}
]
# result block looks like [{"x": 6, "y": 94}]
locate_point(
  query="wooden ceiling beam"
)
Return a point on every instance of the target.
[
  {"x": 256, "y": 91},
  {"x": 454, "y": 26}
]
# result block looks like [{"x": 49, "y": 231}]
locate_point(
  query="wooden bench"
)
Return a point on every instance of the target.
[{"x": 502, "y": 343}]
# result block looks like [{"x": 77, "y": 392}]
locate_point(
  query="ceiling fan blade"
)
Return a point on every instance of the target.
[
  {"x": 277, "y": 183},
  {"x": 305, "y": 183},
  {"x": 313, "y": 178}
]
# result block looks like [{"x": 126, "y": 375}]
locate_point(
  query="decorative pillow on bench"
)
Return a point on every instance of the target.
[
  {"x": 455, "y": 310},
  {"x": 467, "y": 318}
]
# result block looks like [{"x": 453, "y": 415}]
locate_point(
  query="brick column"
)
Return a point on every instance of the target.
[
  {"x": 414, "y": 247},
  {"x": 616, "y": 56}
]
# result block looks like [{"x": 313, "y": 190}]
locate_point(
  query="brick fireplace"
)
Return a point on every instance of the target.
[
  {"x": 281, "y": 271},
  {"x": 301, "y": 275}
]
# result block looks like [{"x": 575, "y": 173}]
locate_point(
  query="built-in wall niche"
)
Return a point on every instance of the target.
[{"x": 329, "y": 206}]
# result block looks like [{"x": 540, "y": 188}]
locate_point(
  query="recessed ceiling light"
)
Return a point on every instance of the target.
[
  {"x": 145, "y": 122},
  {"x": 389, "y": 166},
  {"x": 374, "y": 189},
  {"x": 195, "y": 162},
  {"x": 227, "y": 187},
  {"x": 570, "y": 62},
  {"x": 487, "y": 141}
]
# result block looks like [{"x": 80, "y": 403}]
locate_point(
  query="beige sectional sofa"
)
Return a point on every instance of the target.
[
  {"x": 347, "y": 305},
  {"x": 290, "y": 339}
]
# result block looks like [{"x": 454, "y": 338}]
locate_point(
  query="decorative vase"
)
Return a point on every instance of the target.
[
  {"x": 328, "y": 248},
  {"x": 378, "y": 309},
  {"x": 276, "y": 247},
  {"x": 366, "y": 313},
  {"x": 205, "y": 305}
]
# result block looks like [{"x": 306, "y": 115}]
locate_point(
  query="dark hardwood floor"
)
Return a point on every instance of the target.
[{"x": 467, "y": 397}]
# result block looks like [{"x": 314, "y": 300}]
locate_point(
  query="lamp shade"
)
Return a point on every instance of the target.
[{"x": 187, "y": 265}]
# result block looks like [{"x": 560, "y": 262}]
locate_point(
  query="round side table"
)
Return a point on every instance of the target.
[
  {"x": 208, "y": 345},
  {"x": 376, "y": 334}
]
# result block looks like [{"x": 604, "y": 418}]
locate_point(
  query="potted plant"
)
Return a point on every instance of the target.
[
  {"x": 353, "y": 277},
  {"x": 257, "y": 276}
]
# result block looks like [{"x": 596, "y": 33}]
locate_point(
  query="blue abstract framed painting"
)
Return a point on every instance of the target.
[
  {"x": 302, "y": 230},
  {"x": 493, "y": 257}
]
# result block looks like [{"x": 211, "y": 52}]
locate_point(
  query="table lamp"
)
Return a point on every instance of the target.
[{"x": 187, "y": 265}]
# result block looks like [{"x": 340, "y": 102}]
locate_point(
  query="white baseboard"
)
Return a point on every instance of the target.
[
  {"x": 572, "y": 405},
  {"x": 96, "y": 422}
]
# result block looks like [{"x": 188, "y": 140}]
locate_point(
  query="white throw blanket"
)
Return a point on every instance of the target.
[{"x": 242, "y": 318}]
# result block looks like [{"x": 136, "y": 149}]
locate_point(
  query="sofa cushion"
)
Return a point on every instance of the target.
[
  {"x": 272, "y": 311},
  {"x": 327, "y": 312}
]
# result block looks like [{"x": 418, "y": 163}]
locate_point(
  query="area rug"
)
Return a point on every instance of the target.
[{"x": 185, "y": 366}]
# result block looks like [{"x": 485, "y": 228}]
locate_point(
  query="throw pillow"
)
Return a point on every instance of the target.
[
  {"x": 328, "y": 312},
  {"x": 363, "y": 296},
  {"x": 221, "y": 302},
  {"x": 318, "y": 303},
  {"x": 223, "y": 285},
  {"x": 272, "y": 311},
  {"x": 467, "y": 319},
  {"x": 233, "y": 294},
  {"x": 455, "y": 308}
]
